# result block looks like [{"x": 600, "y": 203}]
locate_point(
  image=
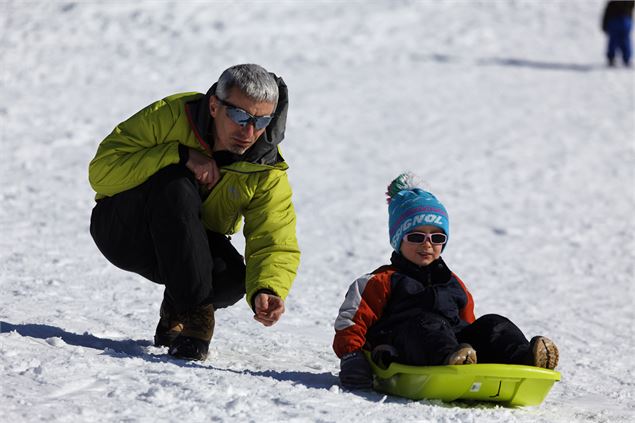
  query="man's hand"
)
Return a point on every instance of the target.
[
  {"x": 204, "y": 169},
  {"x": 268, "y": 308}
]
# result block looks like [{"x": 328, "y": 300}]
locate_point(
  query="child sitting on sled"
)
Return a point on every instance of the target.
[{"x": 415, "y": 311}]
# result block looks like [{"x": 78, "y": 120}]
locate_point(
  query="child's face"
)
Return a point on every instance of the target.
[{"x": 422, "y": 254}]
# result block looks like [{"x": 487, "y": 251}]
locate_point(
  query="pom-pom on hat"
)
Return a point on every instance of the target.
[{"x": 410, "y": 206}]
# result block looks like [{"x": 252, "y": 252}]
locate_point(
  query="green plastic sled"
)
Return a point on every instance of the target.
[{"x": 510, "y": 384}]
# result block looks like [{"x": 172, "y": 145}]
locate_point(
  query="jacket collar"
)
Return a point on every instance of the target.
[
  {"x": 264, "y": 150},
  {"x": 435, "y": 273}
]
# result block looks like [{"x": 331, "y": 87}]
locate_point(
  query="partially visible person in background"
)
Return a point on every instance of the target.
[{"x": 617, "y": 24}]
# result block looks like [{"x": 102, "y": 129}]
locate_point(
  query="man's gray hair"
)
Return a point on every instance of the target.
[{"x": 252, "y": 80}]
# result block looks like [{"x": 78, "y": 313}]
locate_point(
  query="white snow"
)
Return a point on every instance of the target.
[{"x": 505, "y": 108}]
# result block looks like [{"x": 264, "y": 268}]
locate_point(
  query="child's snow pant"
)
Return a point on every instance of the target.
[
  {"x": 155, "y": 230},
  {"x": 619, "y": 33},
  {"x": 428, "y": 339}
]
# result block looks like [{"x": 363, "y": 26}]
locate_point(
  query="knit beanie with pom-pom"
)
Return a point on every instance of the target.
[{"x": 410, "y": 206}]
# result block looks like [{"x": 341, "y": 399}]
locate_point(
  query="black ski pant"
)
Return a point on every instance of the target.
[
  {"x": 155, "y": 230},
  {"x": 428, "y": 339}
]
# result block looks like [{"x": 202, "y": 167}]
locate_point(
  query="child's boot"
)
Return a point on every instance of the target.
[
  {"x": 544, "y": 352},
  {"x": 464, "y": 354}
]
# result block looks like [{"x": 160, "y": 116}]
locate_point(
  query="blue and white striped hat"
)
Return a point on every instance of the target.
[{"x": 410, "y": 206}]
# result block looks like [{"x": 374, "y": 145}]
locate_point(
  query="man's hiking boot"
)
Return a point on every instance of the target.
[
  {"x": 464, "y": 354},
  {"x": 193, "y": 341},
  {"x": 544, "y": 352},
  {"x": 169, "y": 327}
]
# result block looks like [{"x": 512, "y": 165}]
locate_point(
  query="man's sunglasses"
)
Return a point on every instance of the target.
[
  {"x": 242, "y": 118},
  {"x": 420, "y": 238}
]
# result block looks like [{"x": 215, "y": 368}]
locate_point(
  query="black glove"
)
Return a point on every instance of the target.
[{"x": 355, "y": 372}]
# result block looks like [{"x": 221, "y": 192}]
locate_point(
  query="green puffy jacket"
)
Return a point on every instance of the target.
[{"x": 257, "y": 189}]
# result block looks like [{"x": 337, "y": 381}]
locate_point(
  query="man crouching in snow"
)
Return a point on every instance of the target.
[{"x": 174, "y": 180}]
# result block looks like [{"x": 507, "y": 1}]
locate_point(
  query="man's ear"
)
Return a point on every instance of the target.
[{"x": 213, "y": 105}]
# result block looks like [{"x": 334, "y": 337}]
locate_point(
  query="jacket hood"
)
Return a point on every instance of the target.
[{"x": 265, "y": 149}]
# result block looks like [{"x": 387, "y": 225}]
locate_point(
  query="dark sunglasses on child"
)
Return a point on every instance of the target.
[
  {"x": 242, "y": 118},
  {"x": 420, "y": 238}
]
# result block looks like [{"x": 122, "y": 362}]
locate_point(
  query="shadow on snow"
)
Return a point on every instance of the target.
[
  {"x": 512, "y": 62},
  {"x": 535, "y": 64},
  {"x": 126, "y": 346},
  {"x": 129, "y": 348}
]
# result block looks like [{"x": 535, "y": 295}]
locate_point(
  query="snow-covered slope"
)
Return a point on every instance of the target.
[{"x": 505, "y": 108}]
